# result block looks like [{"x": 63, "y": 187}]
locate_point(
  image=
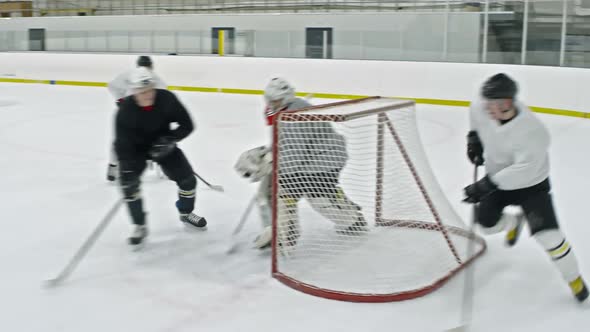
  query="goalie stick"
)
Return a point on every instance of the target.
[
  {"x": 67, "y": 270},
  {"x": 234, "y": 243}
]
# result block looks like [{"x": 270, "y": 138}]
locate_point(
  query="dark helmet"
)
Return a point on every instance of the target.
[
  {"x": 144, "y": 61},
  {"x": 499, "y": 86}
]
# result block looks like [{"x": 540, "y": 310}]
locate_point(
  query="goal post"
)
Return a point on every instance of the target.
[{"x": 357, "y": 212}]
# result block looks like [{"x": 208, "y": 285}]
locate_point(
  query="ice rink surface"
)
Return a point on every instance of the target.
[{"x": 54, "y": 148}]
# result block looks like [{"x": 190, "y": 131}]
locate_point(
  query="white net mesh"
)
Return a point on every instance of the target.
[{"x": 358, "y": 213}]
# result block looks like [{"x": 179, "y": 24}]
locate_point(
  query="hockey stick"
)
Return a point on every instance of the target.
[
  {"x": 212, "y": 186},
  {"x": 85, "y": 247},
  {"x": 240, "y": 225},
  {"x": 467, "y": 305}
]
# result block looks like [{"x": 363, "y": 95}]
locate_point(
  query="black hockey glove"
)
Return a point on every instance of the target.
[
  {"x": 474, "y": 148},
  {"x": 477, "y": 191},
  {"x": 162, "y": 148}
]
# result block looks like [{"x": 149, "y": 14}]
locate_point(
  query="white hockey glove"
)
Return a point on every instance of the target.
[{"x": 255, "y": 164}]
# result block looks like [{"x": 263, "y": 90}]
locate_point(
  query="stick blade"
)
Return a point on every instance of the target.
[
  {"x": 460, "y": 328},
  {"x": 51, "y": 283},
  {"x": 234, "y": 247},
  {"x": 232, "y": 250},
  {"x": 217, "y": 188}
]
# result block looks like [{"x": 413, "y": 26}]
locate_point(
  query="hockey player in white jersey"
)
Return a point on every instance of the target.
[
  {"x": 120, "y": 87},
  {"x": 513, "y": 145},
  {"x": 310, "y": 173}
]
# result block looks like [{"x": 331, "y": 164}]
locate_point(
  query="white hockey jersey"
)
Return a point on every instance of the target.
[
  {"x": 119, "y": 86},
  {"x": 516, "y": 153}
]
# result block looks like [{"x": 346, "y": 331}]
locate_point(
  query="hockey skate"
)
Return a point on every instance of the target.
[
  {"x": 357, "y": 228},
  {"x": 112, "y": 172},
  {"x": 514, "y": 233},
  {"x": 140, "y": 232},
  {"x": 194, "y": 221},
  {"x": 579, "y": 289},
  {"x": 264, "y": 239}
]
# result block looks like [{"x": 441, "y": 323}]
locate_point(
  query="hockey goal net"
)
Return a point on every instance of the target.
[{"x": 357, "y": 212}]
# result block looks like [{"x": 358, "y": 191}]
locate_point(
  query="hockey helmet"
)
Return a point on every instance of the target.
[
  {"x": 499, "y": 86},
  {"x": 278, "y": 93},
  {"x": 141, "y": 78}
]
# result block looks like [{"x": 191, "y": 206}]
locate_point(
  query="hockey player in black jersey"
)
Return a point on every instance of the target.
[
  {"x": 142, "y": 132},
  {"x": 119, "y": 88},
  {"x": 513, "y": 144}
]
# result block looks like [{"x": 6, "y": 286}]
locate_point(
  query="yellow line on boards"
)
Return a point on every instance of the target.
[
  {"x": 77, "y": 83},
  {"x": 22, "y": 80},
  {"x": 443, "y": 102}
]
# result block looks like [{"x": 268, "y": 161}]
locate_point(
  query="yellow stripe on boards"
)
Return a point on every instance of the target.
[
  {"x": 192, "y": 88},
  {"x": 78, "y": 83},
  {"x": 443, "y": 102},
  {"x": 428, "y": 101},
  {"x": 556, "y": 111},
  {"x": 242, "y": 91},
  {"x": 23, "y": 80}
]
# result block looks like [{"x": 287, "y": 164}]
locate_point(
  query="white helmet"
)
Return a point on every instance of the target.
[
  {"x": 141, "y": 78},
  {"x": 278, "y": 93}
]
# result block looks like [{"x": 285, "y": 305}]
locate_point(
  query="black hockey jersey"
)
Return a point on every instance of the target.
[{"x": 137, "y": 128}]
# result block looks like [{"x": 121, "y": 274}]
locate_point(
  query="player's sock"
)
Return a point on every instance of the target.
[{"x": 562, "y": 255}]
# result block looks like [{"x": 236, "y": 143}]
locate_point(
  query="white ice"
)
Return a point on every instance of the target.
[{"x": 54, "y": 144}]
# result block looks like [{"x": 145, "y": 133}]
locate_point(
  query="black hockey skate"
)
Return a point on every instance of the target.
[
  {"x": 195, "y": 221},
  {"x": 138, "y": 236},
  {"x": 579, "y": 289}
]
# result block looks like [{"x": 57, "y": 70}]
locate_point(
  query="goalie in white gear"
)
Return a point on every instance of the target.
[
  {"x": 310, "y": 173},
  {"x": 120, "y": 87}
]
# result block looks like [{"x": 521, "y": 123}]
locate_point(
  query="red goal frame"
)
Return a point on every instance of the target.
[{"x": 384, "y": 126}]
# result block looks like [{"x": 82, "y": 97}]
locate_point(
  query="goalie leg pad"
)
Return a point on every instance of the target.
[
  {"x": 288, "y": 224},
  {"x": 264, "y": 239},
  {"x": 340, "y": 210},
  {"x": 263, "y": 200}
]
